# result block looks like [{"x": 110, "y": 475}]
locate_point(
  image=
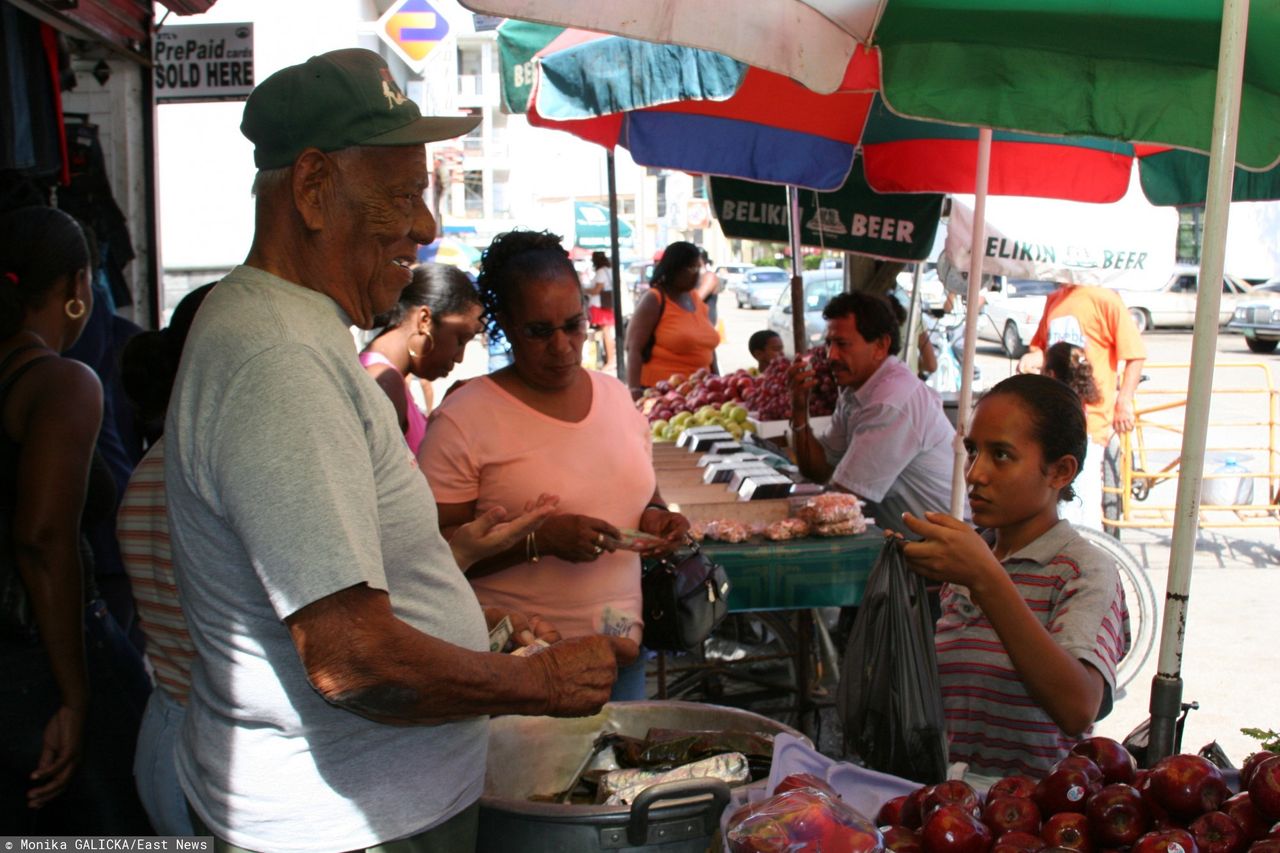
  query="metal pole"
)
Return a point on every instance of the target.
[
  {"x": 977, "y": 250},
  {"x": 1166, "y": 686},
  {"x": 913, "y": 317},
  {"x": 797, "y": 281},
  {"x": 615, "y": 274}
]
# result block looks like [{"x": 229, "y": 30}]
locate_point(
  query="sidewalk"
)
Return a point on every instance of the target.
[{"x": 1231, "y": 652}]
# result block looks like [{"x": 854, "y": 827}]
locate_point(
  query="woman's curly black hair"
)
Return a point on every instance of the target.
[{"x": 512, "y": 259}]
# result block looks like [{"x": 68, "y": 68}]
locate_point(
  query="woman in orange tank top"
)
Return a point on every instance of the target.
[{"x": 670, "y": 331}]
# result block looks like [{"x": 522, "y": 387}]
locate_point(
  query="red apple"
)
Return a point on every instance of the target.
[
  {"x": 890, "y": 813},
  {"x": 1069, "y": 830},
  {"x": 1266, "y": 845},
  {"x": 1188, "y": 786},
  {"x": 900, "y": 839},
  {"x": 1242, "y": 811},
  {"x": 1065, "y": 790},
  {"x": 954, "y": 829},
  {"x": 953, "y": 792},
  {"x": 805, "y": 780},
  {"x": 913, "y": 808},
  {"x": 1217, "y": 832},
  {"x": 1166, "y": 841},
  {"x": 1160, "y": 818},
  {"x": 1117, "y": 815},
  {"x": 1264, "y": 788},
  {"x": 1013, "y": 786},
  {"x": 1083, "y": 764},
  {"x": 1115, "y": 762},
  {"x": 1009, "y": 814},
  {"x": 1251, "y": 764},
  {"x": 1018, "y": 842}
]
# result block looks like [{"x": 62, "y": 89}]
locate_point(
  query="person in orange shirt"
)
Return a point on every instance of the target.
[
  {"x": 1096, "y": 320},
  {"x": 671, "y": 331}
]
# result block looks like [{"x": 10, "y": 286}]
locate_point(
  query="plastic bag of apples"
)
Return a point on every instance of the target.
[
  {"x": 804, "y": 814},
  {"x": 1096, "y": 800}
]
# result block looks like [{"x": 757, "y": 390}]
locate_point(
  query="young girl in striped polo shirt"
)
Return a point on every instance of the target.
[{"x": 1033, "y": 617}]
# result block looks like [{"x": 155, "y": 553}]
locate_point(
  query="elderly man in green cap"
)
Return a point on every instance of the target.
[{"x": 343, "y": 673}]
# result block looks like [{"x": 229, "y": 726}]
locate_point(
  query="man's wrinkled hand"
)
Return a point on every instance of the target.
[{"x": 578, "y": 674}]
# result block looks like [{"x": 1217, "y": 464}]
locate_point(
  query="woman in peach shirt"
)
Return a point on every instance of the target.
[
  {"x": 670, "y": 331},
  {"x": 545, "y": 425}
]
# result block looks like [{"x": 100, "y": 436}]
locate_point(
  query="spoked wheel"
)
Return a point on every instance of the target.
[
  {"x": 1140, "y": 599},
  {"x": 749, "y": 662}
]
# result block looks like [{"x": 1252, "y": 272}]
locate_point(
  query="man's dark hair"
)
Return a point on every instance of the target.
[
  {"x": 759, "y": 340},
  {"x": 871, "y": 314}
]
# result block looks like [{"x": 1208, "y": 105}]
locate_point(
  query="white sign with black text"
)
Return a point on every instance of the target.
[{"x": 203, "y": 62}]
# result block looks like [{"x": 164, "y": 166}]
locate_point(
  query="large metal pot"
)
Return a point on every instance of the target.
[{"x": 531, "y": 756}]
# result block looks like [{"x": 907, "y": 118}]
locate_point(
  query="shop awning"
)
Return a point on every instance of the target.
[{"x": 188, "y": 7}]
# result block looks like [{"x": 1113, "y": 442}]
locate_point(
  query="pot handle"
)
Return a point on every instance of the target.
[{"x": 638, "y": 825}]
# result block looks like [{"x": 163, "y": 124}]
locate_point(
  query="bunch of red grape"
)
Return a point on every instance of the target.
[{"x": 770, "y": 400}]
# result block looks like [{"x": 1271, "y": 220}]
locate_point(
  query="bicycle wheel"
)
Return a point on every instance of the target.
[{"x": 1140, "y": 598}]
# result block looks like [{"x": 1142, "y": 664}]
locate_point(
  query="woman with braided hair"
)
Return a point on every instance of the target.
[
  {"x": 67, "y": 721},
  {"x": 544, "y": 424}
]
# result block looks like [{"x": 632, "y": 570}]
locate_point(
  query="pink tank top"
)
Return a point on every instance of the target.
[{"x": 416, "y": 420}]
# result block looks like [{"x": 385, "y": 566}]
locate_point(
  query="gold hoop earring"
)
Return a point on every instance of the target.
[
  {"x": 429, "y": 341},
  {"x": 78, "y": 311}
]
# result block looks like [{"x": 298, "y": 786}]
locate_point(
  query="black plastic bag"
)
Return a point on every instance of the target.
[{"x": 890, "y": 701}]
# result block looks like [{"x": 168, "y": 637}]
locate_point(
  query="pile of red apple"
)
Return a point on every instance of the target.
[
  {"x": 680, "y": 393},
  {"x": 1096, "y": 800},
  {"x": 770, "y": 399}
]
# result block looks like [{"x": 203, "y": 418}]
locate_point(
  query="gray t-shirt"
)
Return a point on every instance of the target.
[
  {"x": 891, "y": 444},
  {"x": 288, "y": 480}
]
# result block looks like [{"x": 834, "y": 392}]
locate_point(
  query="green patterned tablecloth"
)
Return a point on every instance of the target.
[{"x": 801, "y": 573}]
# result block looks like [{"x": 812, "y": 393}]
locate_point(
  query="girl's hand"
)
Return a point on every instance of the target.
[
  {"x": 492, "y": 533},
  {"x": 951, "y": 550},
  {"x": 59, "y": 755},
  {"x": 577, "y": 538},
  {"x": 672, "y": 527}
]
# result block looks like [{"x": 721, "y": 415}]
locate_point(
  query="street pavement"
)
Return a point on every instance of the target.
[{"x": 1231, "y": 652}]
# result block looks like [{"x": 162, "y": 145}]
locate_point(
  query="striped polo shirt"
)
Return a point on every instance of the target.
[
  {"x": 143, "y": 531},
  {"x": 1074, "y": 590}
]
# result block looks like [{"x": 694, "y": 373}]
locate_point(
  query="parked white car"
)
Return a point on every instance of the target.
[
  {"x": 1174, "y": 303},
  {"x": 730, "y": 275},
  {"x": 1011, "y": 311},
  {"x": 1258, "y": 318}
]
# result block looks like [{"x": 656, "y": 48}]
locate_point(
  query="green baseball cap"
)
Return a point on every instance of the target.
[{"x": 337, "y": 100}]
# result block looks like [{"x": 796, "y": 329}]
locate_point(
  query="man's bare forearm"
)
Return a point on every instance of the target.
[{"x": 811, "y": 457}]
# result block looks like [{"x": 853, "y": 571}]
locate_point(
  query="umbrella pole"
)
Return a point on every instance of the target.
[
  {"x": 615, "y": 274},
  {"x": 1166, "y": 686},
  {"x": 913, "y": 317},
  {"x": 977, "y": 250},
  {"x": 797, "y": 280}
]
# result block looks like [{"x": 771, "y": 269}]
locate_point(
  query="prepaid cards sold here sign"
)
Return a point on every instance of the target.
[{"x": 203, "y": 62}]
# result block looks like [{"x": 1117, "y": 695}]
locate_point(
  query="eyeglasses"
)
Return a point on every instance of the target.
[{"x": 545, "y": 331}]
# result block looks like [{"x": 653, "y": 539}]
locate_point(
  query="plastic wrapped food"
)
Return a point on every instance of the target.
[
  {"x": 697, "y": 531},
  {"x": 726, "y": 530},
  {"x": 829, "y": 508},
  {"x": 787, "y": 528},
  {"x": 848, "y": 527},
  {"x": 802, "y": 819},
  {"x": 621, "y": 787}
]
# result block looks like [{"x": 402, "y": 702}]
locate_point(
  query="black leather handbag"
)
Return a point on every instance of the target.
[{"x": 686, "y": 595}]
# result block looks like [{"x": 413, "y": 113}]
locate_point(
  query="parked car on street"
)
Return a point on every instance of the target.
[
  {"x": 1174, "y": 303},
  {"x": 819, "y": 287},
  {"x": 761, "y": 285},
  {"x": 1011, "y": 311},
  {"x": 730, "y": 275},
  {"x": 1258, "y": 318}
]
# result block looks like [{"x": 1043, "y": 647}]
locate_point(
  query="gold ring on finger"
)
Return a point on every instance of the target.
[
  {"x": 599, "y": 538},
  {"x": 598, "y": 550}
]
